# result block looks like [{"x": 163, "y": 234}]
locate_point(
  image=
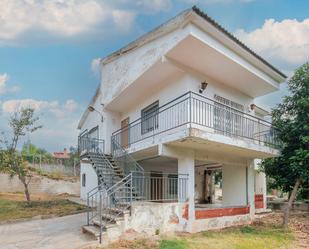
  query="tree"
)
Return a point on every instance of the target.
[
  {"x": 21, "y": 122},
  {"x": 32, "y": 153},
  {"x": 290, "y": 170}
]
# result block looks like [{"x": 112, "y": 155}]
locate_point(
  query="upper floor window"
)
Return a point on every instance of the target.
[
  {"x": 229, "y": 103},
  {"x": 149, "y": 118},
  {"x": 228, "y": 116}
]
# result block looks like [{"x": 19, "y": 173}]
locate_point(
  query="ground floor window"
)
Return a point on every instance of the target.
[{"x": 84, "y": 180}]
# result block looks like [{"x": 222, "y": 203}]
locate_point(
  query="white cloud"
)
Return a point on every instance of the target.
[
  {"x": 123, "y": 19},
  {"x": 70, "y": 105},
  {"x": 59, "y": 122},
  {"x": 3, "y": 87},
  {"x": 154, "y": 5},
  {"x": 95, "y": 66},
  {"x": 64, "y": 18},
  {"x": 53, "y": 107},
  {"x": 284, "y": 43},
  {"x": 11, "y": 106}
]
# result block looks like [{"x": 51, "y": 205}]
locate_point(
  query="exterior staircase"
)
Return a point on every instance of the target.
[{"x": 111, "y": 201}]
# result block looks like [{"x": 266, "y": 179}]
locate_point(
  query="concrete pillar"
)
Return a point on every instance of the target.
[
  {"x": 260, "y": 186},
  {"x": 186, "y": 166},
  {"x": 250, "y": 186}
]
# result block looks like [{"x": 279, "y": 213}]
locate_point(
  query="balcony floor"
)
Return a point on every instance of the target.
[{"x": 204, "y": 141}]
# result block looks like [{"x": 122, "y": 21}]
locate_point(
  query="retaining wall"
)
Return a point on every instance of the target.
[{"x": 38, "y": 185}]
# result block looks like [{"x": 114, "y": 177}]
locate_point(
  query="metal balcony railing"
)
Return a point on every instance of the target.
[
  {"x": 192, "y": 108},
  {"x": 87, "y": 144}
]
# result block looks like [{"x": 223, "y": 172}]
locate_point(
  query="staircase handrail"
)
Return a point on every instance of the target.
[
  {"x": 115, "y": 143},
  {"x": 106, "y": 199},
  {"x": 112, "y": 189}
]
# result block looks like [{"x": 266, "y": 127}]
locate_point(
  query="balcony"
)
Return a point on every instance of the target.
[{"x": 194, "y": 111}]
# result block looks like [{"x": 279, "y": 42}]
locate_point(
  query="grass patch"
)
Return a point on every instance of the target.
[
  {"x": 241, "y": 238},
  {"x": 16, "y": 209},
  {"x": 172, "y": 244}
]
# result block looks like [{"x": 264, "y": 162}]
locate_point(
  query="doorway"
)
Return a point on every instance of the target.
[{"x": 125, "y": 132}]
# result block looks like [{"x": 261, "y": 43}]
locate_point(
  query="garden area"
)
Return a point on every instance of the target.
[{"x": 13, "y": 207}]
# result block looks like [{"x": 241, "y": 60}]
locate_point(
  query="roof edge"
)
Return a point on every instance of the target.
[
  {"x": 86, "y": 112},
  {"x": 181, "y": 16}
]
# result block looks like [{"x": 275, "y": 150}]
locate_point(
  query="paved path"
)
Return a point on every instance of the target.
[{"x": 57, "y": 233}]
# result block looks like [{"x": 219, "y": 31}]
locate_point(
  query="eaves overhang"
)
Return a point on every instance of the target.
[{"x": 185, "y": 17}]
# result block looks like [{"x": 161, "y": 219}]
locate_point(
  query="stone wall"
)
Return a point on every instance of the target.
[
  {"x": 38, "y": 185},
  {"x": 154, "y": 218}
]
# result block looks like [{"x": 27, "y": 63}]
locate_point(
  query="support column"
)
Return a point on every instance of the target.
[
  {"x": 250, "y": 186},
  {"x": 260, "y": 186},
  {"x": 186, "y": 166}
]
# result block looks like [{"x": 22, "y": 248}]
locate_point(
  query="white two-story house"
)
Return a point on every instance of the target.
[{"x": 173, "y": 134}]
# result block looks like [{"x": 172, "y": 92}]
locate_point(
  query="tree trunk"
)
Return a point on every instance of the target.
[
  {"x": 26, "y": 189},
  {"x": 27, "y": 193},
  {"x": 290, "y": 202}
]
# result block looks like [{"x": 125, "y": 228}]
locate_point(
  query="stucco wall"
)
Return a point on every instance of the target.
[
  {"x": 220, "y": 222},
  {"x": 93, "y": 119},
  {"x": 91, "y": 179},
  {"x": 234, "y": 185},
  {"x": 121, "y": 72},
  {"x": 161, "y": 167}
]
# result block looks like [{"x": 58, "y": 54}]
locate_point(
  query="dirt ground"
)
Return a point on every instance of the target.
[{"x": 299, "y": 224}]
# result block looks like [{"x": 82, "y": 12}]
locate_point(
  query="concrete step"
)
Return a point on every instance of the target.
[
  {"x": 91, "y": 230},
  {"x": 120, "y": 210},
  {"x": 105, "y": 225},
  {"x": 111, "y": 218}
]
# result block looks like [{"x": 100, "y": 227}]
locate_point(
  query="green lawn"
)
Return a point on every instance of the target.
[
  {"x": 16, "y": 209},
  {"x": 234, "y": 238}
]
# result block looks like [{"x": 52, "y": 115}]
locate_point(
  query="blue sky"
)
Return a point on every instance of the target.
[{"x": 48, "y": 48}]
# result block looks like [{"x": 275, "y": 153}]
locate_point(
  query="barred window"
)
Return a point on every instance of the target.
[
  {"x": 149, "y": 116},
  {"x": 230, "y": 103}
]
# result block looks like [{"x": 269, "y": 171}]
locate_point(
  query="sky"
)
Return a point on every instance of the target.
[{"x": 49, "y": 49}]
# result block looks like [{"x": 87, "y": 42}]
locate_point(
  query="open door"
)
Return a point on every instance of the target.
[{"x": 125, "y": 132}]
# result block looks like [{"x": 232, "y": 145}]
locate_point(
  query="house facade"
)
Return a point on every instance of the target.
[{"x": 173, "y": 135}]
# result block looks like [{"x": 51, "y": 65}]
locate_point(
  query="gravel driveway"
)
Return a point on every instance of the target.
[{"x": 56, "y": 233}]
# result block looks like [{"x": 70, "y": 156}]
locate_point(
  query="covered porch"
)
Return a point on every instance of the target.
[{"x": 214, "y": 188}]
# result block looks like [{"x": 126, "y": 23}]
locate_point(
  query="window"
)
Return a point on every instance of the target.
[
  {"x": 149, "y": 118},
  {"x": 83, "y": 180},
  {"x": 228, "y": 116}
]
